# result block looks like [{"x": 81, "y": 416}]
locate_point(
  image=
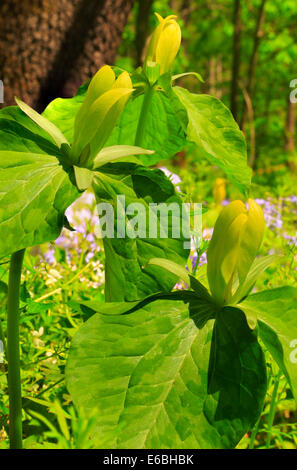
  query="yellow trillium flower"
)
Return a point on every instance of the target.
[
  {"x": 219, "y": 190},
  {"x": 164, "y": 43},
  {"x": 235, "y": 242},
  {"x": 104, "y": 103}
]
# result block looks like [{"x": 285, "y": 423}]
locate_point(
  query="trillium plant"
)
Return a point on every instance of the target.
[{"x": 162, "y": 368}]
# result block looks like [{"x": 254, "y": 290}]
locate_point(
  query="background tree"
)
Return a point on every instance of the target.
[
  {"x": 50, "y": 47},
  {"x": 236, "y": 58}
]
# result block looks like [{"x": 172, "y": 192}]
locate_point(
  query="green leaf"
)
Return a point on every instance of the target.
[
  {"x": 163, "y": 132},
  {"x": 127, "y": 275},
  {"x": 217, "y": 136},
  {"x": 44, "y": 123},
  {"x": 35, "y": 192},
  {"x": 276, "y": 312},
  {"x": 146, "y": 374},
  {"x": 110, "y": 154},
  {"x": 186, "y": 74}
]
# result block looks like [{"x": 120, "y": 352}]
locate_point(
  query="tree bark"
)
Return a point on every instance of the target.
[
  {"x": 254, "y": 60},
  {"x": 142, "y": 27},
  {"x": 236, "y": 58},
  {"x": 290, "y": 130},
  {"x": 50, "y": 47}
]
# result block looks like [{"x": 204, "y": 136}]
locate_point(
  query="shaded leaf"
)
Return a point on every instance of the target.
[{"x": 276, "y": 312}]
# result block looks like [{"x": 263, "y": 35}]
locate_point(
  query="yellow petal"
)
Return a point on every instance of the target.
[
  {"x": 168, "y": 45},
  {"x": 102, "y": 81},
  {"x": 96, "y": 115},
  {"x": 236, "y": 240},
  {"x": 123, "y": 81}
]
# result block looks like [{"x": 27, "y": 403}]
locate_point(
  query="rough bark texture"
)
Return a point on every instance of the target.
[{"x": 50, "y": 47}]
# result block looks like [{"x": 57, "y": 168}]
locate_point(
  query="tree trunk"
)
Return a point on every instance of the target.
[
  {"x": 290, "y": 130},
  {"x": 236, "y": 58},
  {"x": 142, "y": 26},
  {"x": 50, "y": 47},
  {"x": 254, "y": 60}
]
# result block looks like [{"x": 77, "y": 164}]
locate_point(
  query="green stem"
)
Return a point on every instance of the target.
[
  {"x": 272, "y": 409},
  {"x": 141, "y": 131},
  {"x": 254, "y": 433},
  {"x": 13, "y": 351}
]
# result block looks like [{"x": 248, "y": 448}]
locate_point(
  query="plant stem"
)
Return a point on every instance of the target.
[
  {"x": 254, "y": 433},
  {"x": 272, "y": 409},
  {"x": 148, "y": 95},
  {"x": 13, "y": 351}
]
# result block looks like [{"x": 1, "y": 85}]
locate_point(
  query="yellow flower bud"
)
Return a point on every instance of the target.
[
  {"x": 105, "y": 101},
  {"x": 164, "y": 43},
  {"x": 219, "y": 190},
  {"x": 235, "y": 242}
]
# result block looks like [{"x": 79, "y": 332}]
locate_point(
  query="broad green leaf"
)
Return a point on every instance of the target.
[
  {"x": 217, "y": 136},
  {"x": 127, "y": 275},
  {"x": 146, "y": 374},
  {"x": 110, "y": 154},
  {"x": 35, "y": 192},
  {"x": 276, "y": 312},
  {"x": 44, "y": 123},
  {"x": 163, "y": 132}
]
